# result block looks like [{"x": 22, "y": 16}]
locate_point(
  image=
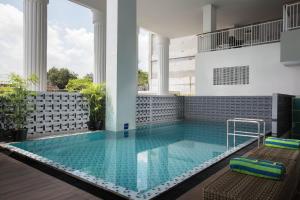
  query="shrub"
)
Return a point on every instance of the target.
[
  {"x": 95, "y": 94},
  {"x": 16, "y": 96}
]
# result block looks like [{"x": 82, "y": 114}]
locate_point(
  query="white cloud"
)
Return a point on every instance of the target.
[
  {"x": 143, "y": 49},
  {"x": 71, "y": 48},
  {"x": 11, "y": 39}
]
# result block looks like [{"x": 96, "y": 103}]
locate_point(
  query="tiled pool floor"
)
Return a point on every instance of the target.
[{"x": 140, "y": 164}]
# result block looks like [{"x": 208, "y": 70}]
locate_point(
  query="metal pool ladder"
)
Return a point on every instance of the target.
[{"x": 259, "y": 122}]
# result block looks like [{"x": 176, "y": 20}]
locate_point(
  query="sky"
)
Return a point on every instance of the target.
[{"x": 70, "y": 39}]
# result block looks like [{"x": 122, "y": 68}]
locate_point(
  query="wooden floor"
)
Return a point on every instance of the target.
[{"x": 20, "y": 181}]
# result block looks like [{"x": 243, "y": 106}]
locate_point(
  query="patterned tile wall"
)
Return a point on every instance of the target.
[
  {"x": 156, "y": 109},
  {"x": 60, "y": 112},
  {"x": 221, "y": 108},
  {"x": 57, "y": 112}
]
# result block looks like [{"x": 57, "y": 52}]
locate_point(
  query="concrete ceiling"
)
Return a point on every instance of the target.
[
  {"x": 177, "y": 18},
  {"x": 92, "y": 4}
]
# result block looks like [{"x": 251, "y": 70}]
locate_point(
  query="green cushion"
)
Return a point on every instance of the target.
[
  {"x": 282, "y": 143},
  {"x": 259, "y": 168}
]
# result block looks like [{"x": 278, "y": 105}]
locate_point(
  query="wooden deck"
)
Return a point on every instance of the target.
[
  {"x": 20, "y": 181},
  {"x": 196, "y": 192}
]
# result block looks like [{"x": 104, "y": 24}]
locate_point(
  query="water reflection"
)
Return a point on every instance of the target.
[{"x": 138, "y": 160}]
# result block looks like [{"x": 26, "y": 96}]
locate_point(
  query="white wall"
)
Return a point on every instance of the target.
[
  {"x": 267, "y": 74},
  {"x": 290, "y": 47}
]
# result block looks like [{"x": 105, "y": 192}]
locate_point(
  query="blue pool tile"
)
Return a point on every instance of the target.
[{"x": 146, "y": 162}]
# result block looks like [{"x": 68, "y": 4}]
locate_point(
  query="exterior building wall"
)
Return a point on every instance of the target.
[
  {"x": 290, "y": 47},
  {"x": 181, "y": 64},
  {"x": 267, "y": 75}
]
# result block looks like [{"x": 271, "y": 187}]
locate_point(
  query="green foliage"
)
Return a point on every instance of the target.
[
  {"x": 142, "y": 78},
  {"x": 95, "y": 93},
  {"x": 60, "y": 77},
  {"x": 89, "y": 77},
  {"x": 16, "y": 95},
  {"x": 76, "y": 85}
]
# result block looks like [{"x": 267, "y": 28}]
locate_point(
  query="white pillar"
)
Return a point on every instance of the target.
[
  {"x": 99, "y": 46},
  {"x": 121, "y": 64},
  {"x": 209, "y": 18},
  {"x": 35, "y": 42},
  {"x": 163, "y": 44}
]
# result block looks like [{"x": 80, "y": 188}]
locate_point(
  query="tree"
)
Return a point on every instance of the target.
[
  {"x": 142, "y": 79},
  {"x": 60, "y": 77},
  {"x": 89, "y": 77},
  {"x": 76, "y": 85}
]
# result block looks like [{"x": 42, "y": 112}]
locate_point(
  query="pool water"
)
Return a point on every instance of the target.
[{"x": 142, "y": 162}]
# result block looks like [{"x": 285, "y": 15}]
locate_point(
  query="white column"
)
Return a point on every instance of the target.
[
  {"x": 209, "y": 18},
  {"x": 121, "y": 64},
  {"x": 35, "y": 42},
  {"x": 163, "y": 44},
  {"x": 99, "y": 46},
  {"x": 150, "y": 61},
  {"x": 209, "y": 24}
]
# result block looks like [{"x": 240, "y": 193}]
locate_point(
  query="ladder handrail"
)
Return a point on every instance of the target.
[{"x": 257, "y": 134}]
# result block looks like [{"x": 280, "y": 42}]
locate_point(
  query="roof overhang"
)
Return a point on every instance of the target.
[{"x": 177, "y": 18}]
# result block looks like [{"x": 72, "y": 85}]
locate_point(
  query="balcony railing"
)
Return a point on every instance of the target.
[
  {"x": 291, "y": 16},
  {"x": 261, "y": 33}
]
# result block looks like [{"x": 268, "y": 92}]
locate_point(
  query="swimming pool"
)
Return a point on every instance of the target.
[{"x": 138, "y": 164}]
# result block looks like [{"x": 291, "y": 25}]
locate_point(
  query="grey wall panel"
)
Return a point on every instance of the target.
[
  {"x": 282, "y": 114},
  {"x": 151, "y": 109},
  {"x": 221, "y": 108}
]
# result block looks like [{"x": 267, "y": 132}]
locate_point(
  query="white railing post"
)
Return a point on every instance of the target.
[
  {"x": 291, "y": 15},
  {"x": 259, "y": 34},
  {"x": 251, "y": 35},
  {"x": 227, "y": 135},
  {"x": 284, "y": 18}
]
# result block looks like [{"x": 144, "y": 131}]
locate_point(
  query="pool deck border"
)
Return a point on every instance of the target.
[{"x": 174, "y": 188}]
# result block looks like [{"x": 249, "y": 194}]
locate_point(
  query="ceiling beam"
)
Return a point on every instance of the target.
[{"x": 92, "y": 4}]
